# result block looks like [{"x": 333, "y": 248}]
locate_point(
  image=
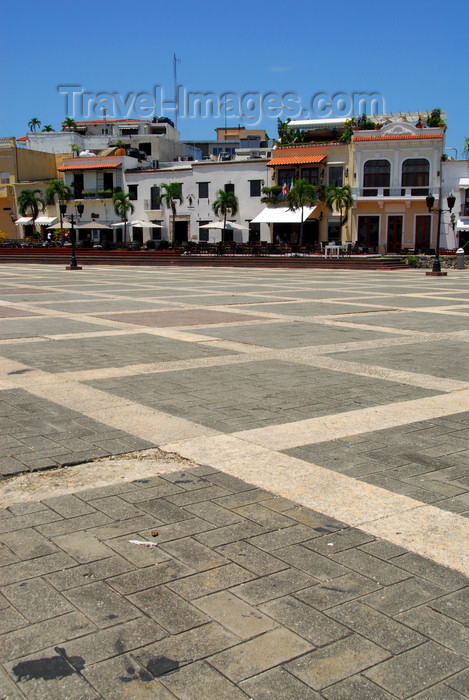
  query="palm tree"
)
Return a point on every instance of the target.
[
  {"x": 69, "y": 124},
  {"x": 466, "y": 146},
  {"x": 48, "y": 127},
  {"x": 172, "y": 194},
  {"x": 34, "y": 123},
  {"x": 30, "y": 202},
  {"x": 58, "y": 189},
  {"x": 122, "y": 205},
  {"x": 224, "y": 203},
  {"x": 302, "y": 195},
  {"x": 75, "y": 149},
  {"x": 340, "y": 199}
]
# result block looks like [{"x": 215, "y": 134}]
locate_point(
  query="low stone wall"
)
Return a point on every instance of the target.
[{"x": 426, "y": 261}]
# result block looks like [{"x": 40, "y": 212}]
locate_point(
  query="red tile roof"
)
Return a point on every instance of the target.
[
  {"x": 297, "y": 160},
  {"x": 89, "y": 166},
  {"x": 396, "y": 137}
]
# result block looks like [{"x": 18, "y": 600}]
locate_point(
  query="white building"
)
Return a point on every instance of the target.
[
  {"x": 455, "y": 180},
  {"x": 199, "y": 182}
]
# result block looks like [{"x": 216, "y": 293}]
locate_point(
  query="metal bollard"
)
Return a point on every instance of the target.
[{"x": 460, "y": 259}]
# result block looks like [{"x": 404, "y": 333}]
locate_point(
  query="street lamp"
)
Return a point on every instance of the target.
[
  {"x": 430, "y": 201},
  {"x": 72, "y": 217}
]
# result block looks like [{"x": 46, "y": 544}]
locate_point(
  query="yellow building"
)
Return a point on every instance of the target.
[{"x": 21, "y": 169}]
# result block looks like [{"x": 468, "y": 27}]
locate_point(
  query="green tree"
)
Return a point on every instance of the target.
[
  {"x": 170, "y": 197},
  {"x": 69, "y": 124},
  {"x": 301, "y": 195},
  {"x": 287, "y": 135},
  {"x": 75, "y": 149},
  {"x": 340, "y": 199},
  {"x": 30, "y": 203},
  {"x": 48, "y": 127},
  {"x": 58, "y": 190},
  {"x": 122, "y": 206},
  {"x": 466, "y": 147},
  {"x": 224, "y": 203},
  {"x": 34, "y": 123}
]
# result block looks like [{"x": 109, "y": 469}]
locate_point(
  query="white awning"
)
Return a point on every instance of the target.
[
  {"x": 45, "y": 220},
  {"x": 282, "y": 215},
  {"x": 24, "y": 220},
  {"x": 462, "y": 225},
  {"x": 464, "y": 182}
]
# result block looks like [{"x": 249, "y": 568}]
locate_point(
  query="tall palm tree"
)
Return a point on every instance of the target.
[
  {"x": 57, "y": 189},
  {"x": 224, "y": 203},
  {"x": 301, "y": 195},
  {"x": 33, "y": 123},
  {"x": 48, "y": 127},
  {"x": 340, "y": 199},
  {"x": 30, "y": 202},
  {"x": 170, "y": 197},
  {"x": 122, "y": 205},
  {"x": 69, "y": 124}
]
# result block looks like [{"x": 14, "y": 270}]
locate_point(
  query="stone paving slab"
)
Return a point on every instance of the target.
[
  {"x": 428, "y": 460},
  {"x": 249, "y": 592},
  {"x": 40, "y": 434},
  {"x": 75, "y": 628}
]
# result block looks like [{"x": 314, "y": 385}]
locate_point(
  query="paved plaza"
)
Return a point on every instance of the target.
[{"x": 233, "y": 483}]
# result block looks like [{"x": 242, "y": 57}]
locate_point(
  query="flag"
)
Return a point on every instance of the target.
[
  {"x": 292, "y": 184},
  {"x": 284, "y": 190}
]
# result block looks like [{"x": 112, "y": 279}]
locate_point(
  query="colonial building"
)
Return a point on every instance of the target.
[{"x": 395, "y": 168}]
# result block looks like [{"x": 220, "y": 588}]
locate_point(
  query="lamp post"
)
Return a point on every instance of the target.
[
  {"x": 71, "y": 217},
  {"x": 430, "y": 201}
]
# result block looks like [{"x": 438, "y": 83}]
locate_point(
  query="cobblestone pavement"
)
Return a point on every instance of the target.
[{"x": 306, "y": 513}]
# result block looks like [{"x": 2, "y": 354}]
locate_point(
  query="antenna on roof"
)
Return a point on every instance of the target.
[{"x": 176, "y": 93}]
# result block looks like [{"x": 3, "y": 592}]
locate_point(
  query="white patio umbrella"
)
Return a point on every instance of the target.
[
  {"x": 143, "y": 224},
  {"x": 229, "y": 226},
  {"x": 93, "y": 226}
]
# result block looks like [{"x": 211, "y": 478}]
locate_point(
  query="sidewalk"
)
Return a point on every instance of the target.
[{"x": 297, "y": 443}]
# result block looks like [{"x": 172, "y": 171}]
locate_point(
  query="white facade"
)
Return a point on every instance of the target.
[
  {"x": 200, "y": 182},
  {"x": 455, "y": 180}
]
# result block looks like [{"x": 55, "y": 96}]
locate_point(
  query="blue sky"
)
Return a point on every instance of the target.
[{"x": 409, "y": 53}]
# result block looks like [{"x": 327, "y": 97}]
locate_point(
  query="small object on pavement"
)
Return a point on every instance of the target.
[
  {"x": 154, "y": 533},
  {"x": 145, "y": 544}
]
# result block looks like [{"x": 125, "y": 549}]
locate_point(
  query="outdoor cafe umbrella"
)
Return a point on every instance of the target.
[
  {"x": 93, "y": 226},
  {"x": 229, "y": 226}
]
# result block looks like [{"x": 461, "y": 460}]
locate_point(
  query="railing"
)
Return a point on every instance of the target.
[
  {"x": 394, "y": 192},
  {"x": 147, "y": 203},
  {"x": 93, "y": 194}
]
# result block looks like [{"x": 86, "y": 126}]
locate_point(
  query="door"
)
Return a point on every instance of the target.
[
  {"x": 368, "y": 233},
  {"x": 180, "y": 234},
  {"x": 394, "y": 244},
  {"x": 422, "y": 232}
]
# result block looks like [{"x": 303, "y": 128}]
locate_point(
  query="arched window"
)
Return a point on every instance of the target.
[
  {"x": 376, "y": 173},
  {"x": 416, "y": 175}
]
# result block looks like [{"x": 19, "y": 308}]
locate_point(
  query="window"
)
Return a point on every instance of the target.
[
  {"x": 311, "y": 175},
  {"x": 286, "y": 177},
  {"x": 5, "y": 178},
  {"x": 179, "y": 186},
  {"x": 133, "y": 192},
  {"x": 108, "y": 181},
  {"x": 155, "y": 197},
  {"x": 466, "y": 205},
  {"x": 376, "y": 173},
  {"x": 333, "y": 231},
  {"x": 78, "y": 185},
  {"x": 203, "y": 190},
  {"x": 145, "y": 147},
  {"x": 255, "y": 188},
  {"x": 416, "y": 175},
  {"x": 203, "y": 232},
  {"x": 336, "y": 175},
  {"x": 229, "y": 187}
]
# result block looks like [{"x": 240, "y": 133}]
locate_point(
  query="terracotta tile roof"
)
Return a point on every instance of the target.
[
  {"x": 297, "y": 160},
  {"x": 89, "y": 166},
  {"x": 398, "y": 137}
]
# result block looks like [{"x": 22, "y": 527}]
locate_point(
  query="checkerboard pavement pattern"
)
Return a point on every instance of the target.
[{"x": 314, "y": 544}]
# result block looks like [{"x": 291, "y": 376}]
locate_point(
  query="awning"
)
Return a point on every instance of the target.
[
  {"x": 45, "y": 220},
  {"x": 464, "y": 182},
  {"x": 282, "y": 215},
  {"x": 462, "y": 225},
  {"x": 296, "y": 159},
  {"x": 24, "y": 220}
]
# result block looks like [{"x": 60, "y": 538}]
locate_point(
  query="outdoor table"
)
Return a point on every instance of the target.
[{"x": 332, "y": 248}]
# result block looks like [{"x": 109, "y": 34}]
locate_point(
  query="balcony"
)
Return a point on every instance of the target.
[
  {"x": 157, "y": 212},
  {"x": 400, "y": 193},
  {"x": 93, "y": 194}
]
